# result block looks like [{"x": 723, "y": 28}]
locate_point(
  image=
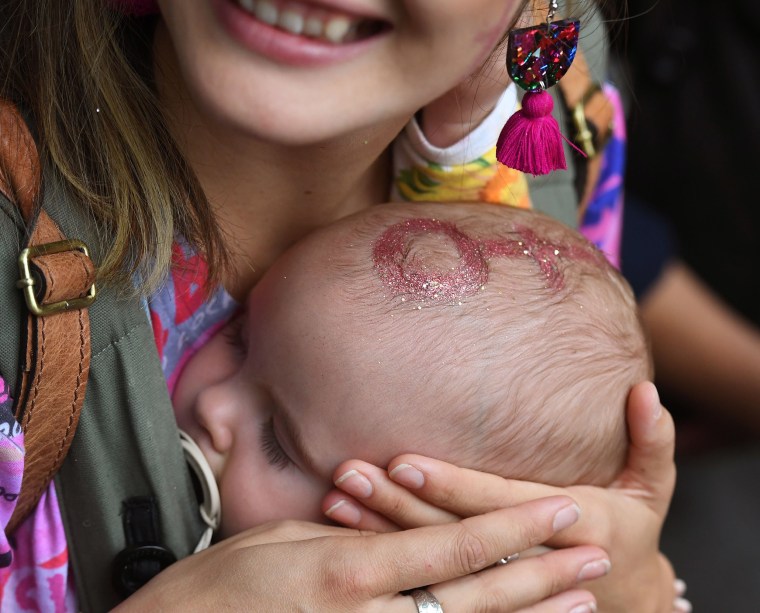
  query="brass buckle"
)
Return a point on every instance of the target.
[
  {"x": 27, "y": 282},
  {"x": 584, "y": 137}
]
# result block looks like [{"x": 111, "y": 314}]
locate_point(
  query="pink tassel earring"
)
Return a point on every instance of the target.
[{"x": 537, "y": 57}]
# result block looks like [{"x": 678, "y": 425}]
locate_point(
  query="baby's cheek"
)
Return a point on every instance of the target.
[{"x": 249, "y": 500}]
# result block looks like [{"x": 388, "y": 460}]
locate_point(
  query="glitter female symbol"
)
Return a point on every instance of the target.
[{"x": 407, "y": 276}]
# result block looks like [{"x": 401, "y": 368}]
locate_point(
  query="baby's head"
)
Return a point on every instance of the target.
[{"x": 490, "y": 337}]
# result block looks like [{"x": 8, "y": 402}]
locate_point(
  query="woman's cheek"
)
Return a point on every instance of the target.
[{"x": 491, "y": 36}]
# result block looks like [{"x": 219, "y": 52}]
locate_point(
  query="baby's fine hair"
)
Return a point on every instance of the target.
[{"x": 531, "y": 336}]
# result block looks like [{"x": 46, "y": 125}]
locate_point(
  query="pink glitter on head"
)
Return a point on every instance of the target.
[
  {"x": 546, "y": 255},
  {"x": 407, "y": 277}
]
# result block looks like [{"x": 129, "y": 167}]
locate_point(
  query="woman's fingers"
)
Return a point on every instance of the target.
[
  {"x": 572, "y": 601},
  {"x": 639, "y": 498},
  {"x": 461, "y": 491},
  {"x": 298, "y": 565},
  {"x": 347, "y": 511},
  {"x": 465, "y": 493},
  {"x": 650, "y": 467},
  {"x": 384, "y": 504},
  {"x": 523, "y": 583},
  {"x": 424, "y": 556}
]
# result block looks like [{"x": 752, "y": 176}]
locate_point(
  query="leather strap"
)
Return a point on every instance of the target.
[{"x": 55, "y": 353}]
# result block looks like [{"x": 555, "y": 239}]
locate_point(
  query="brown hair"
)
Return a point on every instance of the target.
[{"x": 82, "y": 73}]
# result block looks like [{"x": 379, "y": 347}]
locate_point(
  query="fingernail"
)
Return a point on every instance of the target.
[
  {"x": 682, "y": 605},
  {"x": 408, "y": 476},
  {"x": 355, "y": 483},
  {"x": 594, "y": 570},
  {"x": 680, "y": 586},
  {"x": 658, "y": 405},
  {"x": 344, "y": 513},
  {"x": 588, "y": 607},
  {"x": 566, "y": 516}
]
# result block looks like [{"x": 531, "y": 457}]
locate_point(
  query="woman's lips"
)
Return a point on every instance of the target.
[
  {"x": 303, "y": 19},
  {"x": 297, "y": 33}
]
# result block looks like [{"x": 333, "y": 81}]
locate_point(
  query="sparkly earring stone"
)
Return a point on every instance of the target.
[{"x": 539, "y": 56}]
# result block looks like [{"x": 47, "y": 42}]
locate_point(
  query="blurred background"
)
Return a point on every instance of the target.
[{"x": 691, "y": 249}]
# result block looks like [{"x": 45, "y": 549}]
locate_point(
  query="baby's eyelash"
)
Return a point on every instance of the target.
[
  {"x": 271, "y": 447},
  {"x": 232, "y": 337}
]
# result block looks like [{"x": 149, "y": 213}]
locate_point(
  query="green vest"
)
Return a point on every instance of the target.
[{"x": 127, "y": 442}]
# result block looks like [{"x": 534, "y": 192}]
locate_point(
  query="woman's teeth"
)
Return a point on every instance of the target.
[{"x": 305, "y": 21}]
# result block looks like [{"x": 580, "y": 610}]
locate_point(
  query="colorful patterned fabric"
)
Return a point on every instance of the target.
[
  {"x": 39, "y": 578},
  {"x": 11, "y": 467},
  {"x": 34, "y": 562},
  {"x": 184, "y": 317},
  {"x": 482, "y": 180},
  {"x": 425, "y": 173},
  {"x": 602, "y": 221},
  {"x": 467, "y": 171}
]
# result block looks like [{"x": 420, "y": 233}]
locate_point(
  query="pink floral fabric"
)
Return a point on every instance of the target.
[{"x": 34, "y": 562}]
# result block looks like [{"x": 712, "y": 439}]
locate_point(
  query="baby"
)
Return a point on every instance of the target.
[{"x": 490, "y": 337}]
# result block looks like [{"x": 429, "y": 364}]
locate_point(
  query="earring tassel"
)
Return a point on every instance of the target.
[{"x": 531, "y": 141}]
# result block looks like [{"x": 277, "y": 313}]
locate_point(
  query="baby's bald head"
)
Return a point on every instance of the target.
[{"x": 500, "y": 333}]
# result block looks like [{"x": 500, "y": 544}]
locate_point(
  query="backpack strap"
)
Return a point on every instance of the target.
[
  {"x": 126, "y": 444},
  {"x": 57, "y": 279}
]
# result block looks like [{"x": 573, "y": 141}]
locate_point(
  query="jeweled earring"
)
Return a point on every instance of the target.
[
  {"x": 537, "y": 57},
  {"x": 135, "y": 8}
]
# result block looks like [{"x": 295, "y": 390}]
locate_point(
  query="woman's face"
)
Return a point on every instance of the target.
[{"x": 357, "y": 64}]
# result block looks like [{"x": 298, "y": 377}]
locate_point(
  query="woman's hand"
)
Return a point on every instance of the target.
[
  {"x": 300, "y": 566},
  {"x": 625, "y": 519}
]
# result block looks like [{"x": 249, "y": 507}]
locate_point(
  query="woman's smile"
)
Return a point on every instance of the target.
[
  {"x": 319, "y": 23},
  {"x": 302, "y": 73},
  {"x": 298, "y": 33}
]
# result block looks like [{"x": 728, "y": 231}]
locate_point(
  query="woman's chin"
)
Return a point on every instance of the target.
[{"x": 279, "y": 122}]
